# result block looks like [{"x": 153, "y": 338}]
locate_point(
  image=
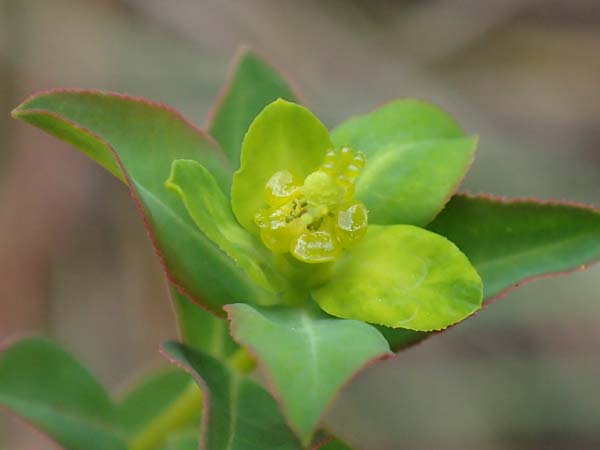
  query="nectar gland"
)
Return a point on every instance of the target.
[{"x": 315, "y": 220}]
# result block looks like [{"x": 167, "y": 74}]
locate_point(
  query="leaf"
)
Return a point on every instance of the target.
[
  {"x": 50, "y": 389},
  {"x": 510, "y": 241},
  {"x": 402, "y": 276},
  {"x": 513, "y": 241},
  {"x": 416, "y": 155},
  {"x": 284, "y": 136},
  {"x": 150, "y": 398},
  {"x": 252, "y": 85},
  {"x": 306, "y": 355},
  {"x": 211, "y": 211},
  {"x": 200, "y": 329},
  {"x": 238, "y": 413},
  {"x": 137, "y": 141}
]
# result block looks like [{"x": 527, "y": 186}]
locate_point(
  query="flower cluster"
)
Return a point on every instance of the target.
[{"x": 314, "y": 220}]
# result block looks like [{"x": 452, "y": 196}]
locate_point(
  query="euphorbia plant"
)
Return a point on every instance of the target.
[{"x": 304, "y": 253}]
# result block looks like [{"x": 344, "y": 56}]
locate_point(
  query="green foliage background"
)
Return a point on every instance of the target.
[{"x": 78, "y": 267}]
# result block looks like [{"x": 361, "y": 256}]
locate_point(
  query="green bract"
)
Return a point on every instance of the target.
[{"x": 398, "y": 275}]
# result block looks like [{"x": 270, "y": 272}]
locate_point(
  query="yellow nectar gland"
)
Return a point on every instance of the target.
[{"x": 315, "y": 220}]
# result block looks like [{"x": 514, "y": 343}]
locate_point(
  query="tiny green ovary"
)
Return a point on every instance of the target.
[{"x": 315, "y": 220}]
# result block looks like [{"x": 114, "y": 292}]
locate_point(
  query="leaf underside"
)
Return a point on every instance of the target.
[{"x": 238, "y": 413}]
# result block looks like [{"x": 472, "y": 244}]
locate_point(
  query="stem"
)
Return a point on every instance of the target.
[{"x": 184, "y": 409}]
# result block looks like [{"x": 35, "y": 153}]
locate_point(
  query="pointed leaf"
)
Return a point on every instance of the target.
[
  {"x": 211, "y": 211},
  {"x": 416, "y": 157},
  {"x": 50, "y": 389},
  {"x": 284, "y": 136},
  {"x": 402, "y": 276},
  {"x": 137, "y": 141},
  {"x": 238, "y": 413},
  {"x": 512, "y": 241},
  {"x": 307, "y": 356},
  {"x": 252, "y": 85},
  {"x": 200, "y": 329}
]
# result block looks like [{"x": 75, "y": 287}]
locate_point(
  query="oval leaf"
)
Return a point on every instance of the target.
[
  {"x": 416, "y": 157},
  {"x": 402, "y": 276},
  {"x": 252, "y": 85},
  {"x": 48, "y": 387},
  {"x": 138, "y": 140},
  {"x": 238, "y": 414},
  {"x": 284, "y": 136},
  {"x": 307, "y": 355},
  {"x": 509, "y": 241}
]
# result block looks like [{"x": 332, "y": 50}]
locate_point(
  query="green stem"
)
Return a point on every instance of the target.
[
  {"x": 183, "y": 410},
  {"x": 186, "y": 407}
]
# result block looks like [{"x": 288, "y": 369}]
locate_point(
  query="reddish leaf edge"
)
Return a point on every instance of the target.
[
  {"x": 203, "y": 387},
  {"x": 270, "y": 384},
  {"x": 503, "y": 200},
  {"x": 240, "y": 53},
  {"x": 20, "y": 111},
  {"x": 206, "y": 398}
]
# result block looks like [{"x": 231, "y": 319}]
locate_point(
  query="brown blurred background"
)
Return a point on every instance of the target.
[{"x": 524, "y": 74}]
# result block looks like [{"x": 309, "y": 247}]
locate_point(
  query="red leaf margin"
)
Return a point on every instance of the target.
[
  {"x": 206, "y": 398},
  {"x": 16, "y": 113},
  {"x": 274, "y": 392}
]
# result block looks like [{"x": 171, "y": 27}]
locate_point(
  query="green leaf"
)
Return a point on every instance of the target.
[
  {"x": 252, "y": 85},
  {"x": 416, "y": 157},
  {"x": 284, "y": 136},
  {"x": 137, "y": 141},
  {"x": 401, "y": 338},
  {"x": 200, "y": 329},
  {"x": 512, "y": 241},
  {"x": 148, "y": 399},
  {"x": 50, "y": 389},
  {"x": 211, "y": 211},
  {"x": 238, "y": 413},
  {"x": 402, "y": 276},
  {"x": 307, "y": 356}
]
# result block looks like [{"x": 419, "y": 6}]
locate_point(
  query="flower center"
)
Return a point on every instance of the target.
[{"x": 316, "y": 219}]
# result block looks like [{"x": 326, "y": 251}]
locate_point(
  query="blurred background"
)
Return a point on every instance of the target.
[{"x": 523, "y": 74}]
